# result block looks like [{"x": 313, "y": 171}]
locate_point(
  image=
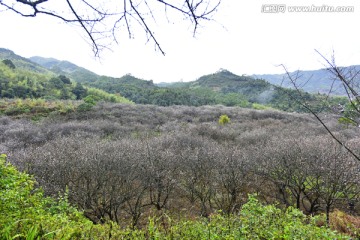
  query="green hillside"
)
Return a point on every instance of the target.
[
  {"x": 22, "y": 78},
  {"x": 21, "y": 62},
  {"x": 73, "y": 71},
  {"x": 82, "y": 75},
  {"x": 230, "y": 87},
  {"x": 222, "y": 87},
  {"x": 225, "y": 81},
  {"x": 222, "y": 77}
]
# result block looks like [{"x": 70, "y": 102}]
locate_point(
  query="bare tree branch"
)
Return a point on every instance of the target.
[
  {"x": 354, "y": 97},
  {"x": 315, "y": 114},
  {"x": 146, "y": 27},
  {"x": 95, "y": 45},
  {"x": 102, "y": 22}
]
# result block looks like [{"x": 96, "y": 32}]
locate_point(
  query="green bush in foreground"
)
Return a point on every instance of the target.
[
  {"x": 255, "y": 221},
  {"x": 27, "y": 214}
]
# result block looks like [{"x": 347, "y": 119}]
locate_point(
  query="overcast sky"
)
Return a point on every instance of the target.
[{"x": 243, "y": 40}]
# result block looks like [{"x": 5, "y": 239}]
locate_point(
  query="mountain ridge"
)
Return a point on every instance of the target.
[
  {"x": 222, "y": 87},
  {"x": 312, "y": 81},
  {"x": 22, "y": 62}
]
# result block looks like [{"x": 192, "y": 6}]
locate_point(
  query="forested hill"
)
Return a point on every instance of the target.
[
  {"x": 222, "y": 87},
  {"x": 21, "y": 62},
  {"x": 73, "y": 71},
  {"x": 225, "y": 81},
  {"x": 22, "y": 78},
  {"x": 258, "y": 92},
  {"x": 85, "y": 76}
]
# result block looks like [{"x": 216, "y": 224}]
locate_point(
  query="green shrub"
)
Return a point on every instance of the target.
[
  {"x": 84, "y": 107},
  {"x": 269, "y": 222},
  {"x": 91, "y": 99},
  {"x": 224, "y": 119},
  {"x": 255, "y": 221}
]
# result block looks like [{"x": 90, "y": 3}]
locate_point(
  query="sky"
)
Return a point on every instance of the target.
[{"x": 244, "y": 38}]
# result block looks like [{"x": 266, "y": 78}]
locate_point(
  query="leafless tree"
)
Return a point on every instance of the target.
[
  {"x": 199, "y": 175},
  {"x": 103, "y": 20},
  {"x": 287, "y": 166},
  {"x": 120, "y": 165},
  {"x": 234, "y": 177},
  {"x": 313, "y": 174},
  {"x": 161, "y": 169}
]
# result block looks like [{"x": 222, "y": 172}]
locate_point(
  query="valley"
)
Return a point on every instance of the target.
[{"x": 224, "y": 156}]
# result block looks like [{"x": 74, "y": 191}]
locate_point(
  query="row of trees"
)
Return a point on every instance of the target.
[
  {"x": 125, "y": 179},
  {"x": 182, "y": 96}
]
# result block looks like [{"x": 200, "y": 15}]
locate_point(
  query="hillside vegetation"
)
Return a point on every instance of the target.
[
  {"x": 21, "y": 78},
  {"x": 79, "y": 162},
  {"x": 182, "y": 169},
  {"x": 222, "y": 87}
]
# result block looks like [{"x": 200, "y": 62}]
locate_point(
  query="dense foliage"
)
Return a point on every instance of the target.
[
  {"x": 35, "y": 108},
  {"x": 22, "y": 83}
]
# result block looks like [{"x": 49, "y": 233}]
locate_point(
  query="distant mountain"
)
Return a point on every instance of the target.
[
  {"x": 220, "y": 78},
  {"x": 314, "y": 81},
  {"x": 222, "y": 87},
  {"x": 69, "y": 69},
  {"x": 257, "y": 91},
  {"x": 224, "y": 82},
  {"x": 85, "y": 76},
  {"x": 22, "y": 62}
]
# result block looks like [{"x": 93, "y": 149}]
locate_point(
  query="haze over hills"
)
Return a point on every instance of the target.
[{"x": 313, "y": 81}]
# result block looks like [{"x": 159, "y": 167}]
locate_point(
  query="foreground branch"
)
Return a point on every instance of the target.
[
  {"x": 303, "y": 103},
  {"x": 102, "y": 21}
]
